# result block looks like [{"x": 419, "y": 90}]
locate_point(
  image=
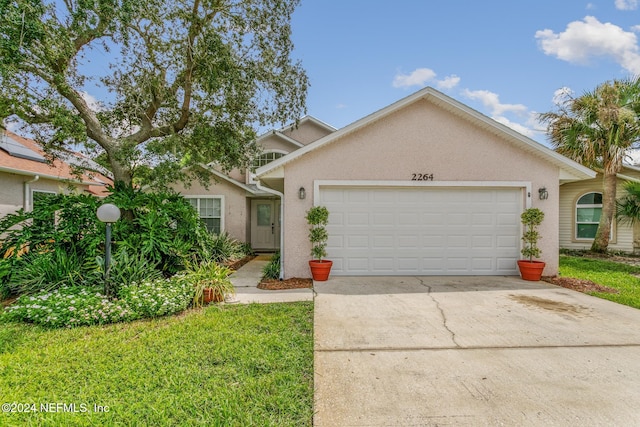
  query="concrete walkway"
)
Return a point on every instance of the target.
[{"x": 246, "y": 280}]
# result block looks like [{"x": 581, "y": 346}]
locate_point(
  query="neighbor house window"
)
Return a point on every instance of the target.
[
  {"x": 210, "y": 211},
  {"x": 588, "y": 211}
]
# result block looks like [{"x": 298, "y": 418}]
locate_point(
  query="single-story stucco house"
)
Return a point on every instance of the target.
[
  {"x": 424, "y": 186},
  {"x": 26, "y": 177},
  {"x": 580, "y": 209}
]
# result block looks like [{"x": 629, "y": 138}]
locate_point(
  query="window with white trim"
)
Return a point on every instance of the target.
[
  {"x": 588, "y": 212},
  {"x": 266, "y": 158},
  {"x": 210, "y": 209}
]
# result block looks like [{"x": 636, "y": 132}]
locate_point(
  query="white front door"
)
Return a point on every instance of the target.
[{"x": 265, "y": 224}]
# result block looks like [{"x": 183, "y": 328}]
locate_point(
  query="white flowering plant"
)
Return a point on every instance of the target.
[{"x": 81, "y": 306}]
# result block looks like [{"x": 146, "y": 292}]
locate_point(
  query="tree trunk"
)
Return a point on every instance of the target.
[{"x": 603, "y": 235}]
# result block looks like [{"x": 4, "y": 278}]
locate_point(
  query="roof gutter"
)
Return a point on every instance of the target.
[
  {"x": 44, "y": 176},
  {"x": 27, "y": 193},
  {"x": 281, "y": 195}
]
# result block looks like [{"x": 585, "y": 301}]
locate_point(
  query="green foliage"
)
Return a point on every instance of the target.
[
  {"x": 70, "y": 306},
  {"x": 128, "y": 269},
  {"x": 159, "y": 297},
  {"x": 49, "y": 270},
  {"x": 628, "y": 207},
  {"x": 223, "y": 247},
  {"x": 531, "y": 219},
  {"x": 272, "y": 269},
  {"x": 187, "y": 80},
  {"x": 318, "y": 218},
  {"x": 158, "y": 231},
  {"x": 207, "y": 275}
]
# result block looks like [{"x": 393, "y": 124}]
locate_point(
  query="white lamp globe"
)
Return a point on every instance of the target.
[{"x": 108, "y": 213}]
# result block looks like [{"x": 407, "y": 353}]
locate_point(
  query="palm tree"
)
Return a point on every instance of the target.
[
  {"x": 628, "y": 207},
  {"x": 598, "y": 129}
]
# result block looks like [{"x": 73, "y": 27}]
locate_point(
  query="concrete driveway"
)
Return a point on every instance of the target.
[{"x": 420, "y": 351}]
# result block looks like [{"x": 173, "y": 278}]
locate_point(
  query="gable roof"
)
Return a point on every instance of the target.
[
  {"x": 23, "y": 156},
  {"x": 570, "y": 170},
  {"x": 309, "y": 119}
]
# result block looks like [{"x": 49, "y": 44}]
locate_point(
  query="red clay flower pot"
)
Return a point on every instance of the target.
[
  {"x": 531, "y": 270},
  {"x": 320, "y": 269}
]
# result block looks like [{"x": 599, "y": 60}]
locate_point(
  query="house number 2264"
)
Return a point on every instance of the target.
[{"x": 422, "y": 177}]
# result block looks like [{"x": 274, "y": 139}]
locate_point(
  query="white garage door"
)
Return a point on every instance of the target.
[{"x": 423, "y": 230}]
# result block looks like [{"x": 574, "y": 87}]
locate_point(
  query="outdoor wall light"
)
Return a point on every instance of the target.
[
  {"x": 543, "y": 193},
  {"x": 302, "y": 193},
  {"x": 108, "y": 214}
]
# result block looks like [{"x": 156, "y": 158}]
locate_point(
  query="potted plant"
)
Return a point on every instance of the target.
[
  {"x": 318, "y": 218},
  {"x": 210, "y": 281},
  {"x": 530, "y": 269}
]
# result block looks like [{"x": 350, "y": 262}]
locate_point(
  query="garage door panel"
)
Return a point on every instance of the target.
[{"x": 423, "y": 230}]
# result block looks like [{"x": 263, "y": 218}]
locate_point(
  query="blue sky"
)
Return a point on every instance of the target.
[{"x": 505, "y": 58}]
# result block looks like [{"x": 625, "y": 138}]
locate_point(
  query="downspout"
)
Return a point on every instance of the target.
[
  {"x": 27, "y": 198},
  {"x": 281, "y": 195}
]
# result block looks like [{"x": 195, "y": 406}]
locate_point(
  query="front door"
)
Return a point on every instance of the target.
[{"x": 265, "y": 224}]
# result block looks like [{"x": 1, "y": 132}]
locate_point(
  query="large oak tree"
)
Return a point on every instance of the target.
[{"x": 180, "y": 82}]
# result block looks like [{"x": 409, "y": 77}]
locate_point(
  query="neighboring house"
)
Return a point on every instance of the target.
[
  {"x": 580, "y": 210},
  {"x": 26, "y": 177},
  {"x": 425, "y": 186}
]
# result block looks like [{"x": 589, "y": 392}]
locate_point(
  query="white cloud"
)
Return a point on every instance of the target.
[
  {"x": 418, "y": 77},
  {"x": 341, "y": 106},
  {"x": 584, "y": 40},
  {"x": 560, "y": 96},
  {"x": 492, "y": 101},
  {"x": 448, "y": 82},
  {"x": 626, "y": 4},
  {"x": 421, "y": 76},
  {"x": 591, "y": 6},
  {"x": 92, "y": 102},
  {"x": 524, "y": 130}
]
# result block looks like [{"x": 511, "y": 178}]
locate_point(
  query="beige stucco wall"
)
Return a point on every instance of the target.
[
  {"x": 306, "y": 132},
  {"x": 235, "y": 211},
  {"x": 422, "y": 138},
  {"x": 12, "y": 188},
  {"x": 622, "y": 237}
]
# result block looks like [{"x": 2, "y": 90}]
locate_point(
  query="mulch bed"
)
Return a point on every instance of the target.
[
  {"x": 293, "y": 283},
  {"x": 234, "y": 265},
  {"x": 579, "y": 285}
]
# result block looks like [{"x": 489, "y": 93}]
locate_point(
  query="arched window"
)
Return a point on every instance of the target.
[{"x": 588, "y": 211}]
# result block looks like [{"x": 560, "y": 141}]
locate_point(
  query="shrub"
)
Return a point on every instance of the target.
[
  {"x": 223, "y": 247},
  {"x": 207, "y": 275},
  {"x": 156, "y": 298},
  {"x": 163, "y": 230},
  {"x": 48, "y": 270},
  {"x": 71, "y": 306},
  {"x": 272, "y": 269},
  {"x": 68, "y": 306}
]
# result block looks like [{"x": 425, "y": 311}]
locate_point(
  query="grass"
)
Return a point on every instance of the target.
[
  {"x": 607, "y": 273},
  {"x": 245, "y": 365}
]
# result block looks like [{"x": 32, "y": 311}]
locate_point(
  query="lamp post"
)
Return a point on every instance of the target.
[{"x": 108, "y": 213}]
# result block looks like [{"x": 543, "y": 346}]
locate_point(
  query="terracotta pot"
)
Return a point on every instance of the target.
[
  {"x": 320, "y": 269},
  {"x": 211, "y": 295},
  {"x": 531, "y": 270},
  {"x": 207, "y": 295}
]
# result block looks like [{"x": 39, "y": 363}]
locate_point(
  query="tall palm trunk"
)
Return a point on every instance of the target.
[{"x": 603, "y": 235}]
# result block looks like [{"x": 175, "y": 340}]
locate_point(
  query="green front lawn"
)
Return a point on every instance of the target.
[
  {"x": 607, "y": 273},
  {"x": 244, "y": 365}
]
